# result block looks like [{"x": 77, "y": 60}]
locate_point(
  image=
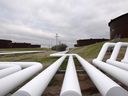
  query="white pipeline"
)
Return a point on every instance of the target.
[
  {"x": 12, "y": 81},
  {"x": 113, "y": 57},
  {"x": 37, "y": 85},
  {"x": 104, "y": 50},
  {"x": 125, "y": 59},
  {"x": 6, "y": 69},
  {"x": 118, "y": 64},
  {"x": 19, "y": 52},
  {"x": 22, "y": 64},
  {"x": 104, "y": 84},
  {"x": 70, "y": 84},
  {"x": 59, "y": 54},
  {"x": 116, "y": 49},
  {"x": 119, "y": 74}
]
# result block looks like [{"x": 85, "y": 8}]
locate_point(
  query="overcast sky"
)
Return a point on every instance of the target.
[{"x": 37, "y": 21}]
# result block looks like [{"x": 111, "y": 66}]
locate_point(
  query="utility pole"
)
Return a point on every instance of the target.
[{"x": 57, "y": 38}]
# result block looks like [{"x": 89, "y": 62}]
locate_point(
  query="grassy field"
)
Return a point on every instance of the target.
[
  {"x": 30, "y": 57},
  {"x": 91, "y": 51},
  {"x": 88, "y": 52},
  {"x": 23, "y": 49}
]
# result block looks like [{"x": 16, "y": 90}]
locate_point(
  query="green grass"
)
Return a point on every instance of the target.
[
  {"x": 64, "y": 64},
  {"x": 91, "y": 51},
  {"x": 43, "y": 58},
  {"x": 23, "y": 49},
  {"x": 88, "y": 52}
]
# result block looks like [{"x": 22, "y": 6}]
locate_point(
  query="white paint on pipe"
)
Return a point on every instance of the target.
[
  {"x": 59, "y": 54},
  {"x": 118, "y": 64},
  {"x": 8, "y": 70},
  {"x": 104, "y": 50},
  {"x": 113, "y": 57},
  {"x": 104, "y": 84},
  {"x": 5, "y": 65},
  {"x": 119, "y": 74},
  {"x": 70, "y": 85},
  {"x": 56, "y": 55},
  {"x": 19, "y": 52},
  {"x": 116, "y": 50},
  {"x": 37, "y": 85},
  {"x": 22, "y": 64},
  {"x": 12, "y": 81},
  {"x": 125, "y": 59}
]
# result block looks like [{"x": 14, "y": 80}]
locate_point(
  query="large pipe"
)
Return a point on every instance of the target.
[
  {"x": 12, "y": 81},
  {"x": 22, "y": 64},
  {"x": 113, "y": 57},
  {"x": 59, "y": 54},
  {"x": 104, "y": 50},
  {"x": 125, "y": 59},
  {"x": 104, "y": 84},
  {"x": 70, "y": 85},
  {"x": 119, "y": 74},
  {"x": 116, "y": 50},
  {"x": 19, "y": 52},
  {"x": 8, "y": 69},
  {"x": 118, "y": 64},
  {"x": 37, "y": 85}
]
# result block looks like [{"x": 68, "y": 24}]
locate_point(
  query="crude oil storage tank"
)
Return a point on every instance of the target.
[{"x": 119, "y": 27}]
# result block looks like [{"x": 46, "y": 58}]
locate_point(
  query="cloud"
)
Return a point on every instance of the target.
[{"x": 37, "y": 21}]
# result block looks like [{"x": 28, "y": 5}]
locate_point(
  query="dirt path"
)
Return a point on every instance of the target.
[{"x": 87, "y": 87}]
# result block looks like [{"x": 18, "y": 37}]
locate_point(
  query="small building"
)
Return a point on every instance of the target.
[
  {"x": 21, "y": 45},
  {"x": 35, "y": 46},
  {"x": 84, "y": 42},
  {"x": 5, "y": 43},
  {"x": 119, "y": 27},
  {"x": 10, "y": 44}
]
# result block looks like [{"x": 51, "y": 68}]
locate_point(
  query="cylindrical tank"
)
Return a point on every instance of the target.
[{"x": 119, "y": 27}]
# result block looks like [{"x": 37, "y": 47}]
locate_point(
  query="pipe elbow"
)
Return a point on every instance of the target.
[
  {"x": 38, "y": 63},
  {"x": 108, "y": 44},
  {"x": 94, "y": 60}
]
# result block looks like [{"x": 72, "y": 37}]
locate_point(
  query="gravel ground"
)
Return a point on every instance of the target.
[{"x": 87, "y": 87}]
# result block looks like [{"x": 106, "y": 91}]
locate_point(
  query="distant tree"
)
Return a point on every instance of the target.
[{"x": 60, "y": 47}]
